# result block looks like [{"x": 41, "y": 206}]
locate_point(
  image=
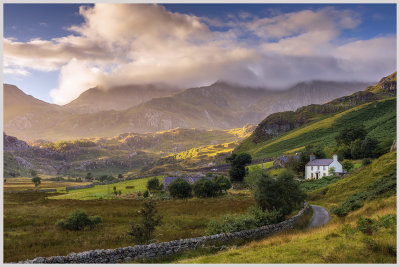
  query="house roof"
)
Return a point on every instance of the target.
[{"x": 320, "y": 162}]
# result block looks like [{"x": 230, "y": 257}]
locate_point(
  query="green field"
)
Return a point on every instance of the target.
[
  {"x": 105, "y": 191},
  {"x": 264, "y": 165},
  {"x": 329, "y": 244},
  {"x": 25, "y": 183},
  {"x": 379, "y": 119}
]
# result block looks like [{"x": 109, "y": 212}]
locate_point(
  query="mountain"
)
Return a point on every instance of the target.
[
  {"x": 116, "y": 98},
  {"x": 218, "y": 106},
  {"x": 288, "y": 132}
]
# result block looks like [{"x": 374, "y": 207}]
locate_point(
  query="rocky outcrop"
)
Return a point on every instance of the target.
[{"x": 157, "y": 250}]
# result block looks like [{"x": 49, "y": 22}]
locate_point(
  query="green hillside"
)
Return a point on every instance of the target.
[
  {"x": 378, "y": 117},
  {"x": 339, "y": 241}
]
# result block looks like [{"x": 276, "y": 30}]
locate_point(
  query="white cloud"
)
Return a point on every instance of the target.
[{"x": 137, "y": 43}]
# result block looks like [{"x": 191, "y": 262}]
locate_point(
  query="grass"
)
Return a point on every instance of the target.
[
  {"x": 30, "y": 231},
  {"x": 312, "y": 185},
  {"x": 105, "y": 191},
  {"x": 25, "y": 183},
  {"x": 328, "y": 244},
  {"x": 378, "y": 117},
  {"x": 264, "y": 165}
]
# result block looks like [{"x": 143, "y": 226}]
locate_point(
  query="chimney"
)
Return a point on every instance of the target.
[
  {"x": 334, "y": 157},
  {"x": 312, "y": 157}
]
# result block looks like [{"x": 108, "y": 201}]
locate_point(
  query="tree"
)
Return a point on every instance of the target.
[
  {"x": 347, "y": 165},
  {"x": 78, "y": 220},
  {"x": 369, "y": 147},
  {"x": 36, "y": 181},
  {"x": 356, "y": 149},
  {"x": 282, "y": 194},
  {"x": 238, "y": 163},
  {"x": 221, "y": 183},
  {"x": 366, "y": 161},
  {"x": 331, "y": 171},
  {"x": 204, "y": 188},
  {"x": 349, "y": 134},
  {"x": 180, "y": 188},
  {"x": 154, "y": 184},
  {"x": 266, "y": 193},
  {"x": 149, "y": 220},
  {"x": 89, "y": 176}
]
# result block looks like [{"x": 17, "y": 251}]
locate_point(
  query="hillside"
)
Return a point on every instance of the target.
[
  {"x": 105, "y": 113},
  {"x": 119, "y": 154},
  {"x": 336, "y": 242},
  {"x": 288, "y": 132},
  {"x": 116, "y": 98}
]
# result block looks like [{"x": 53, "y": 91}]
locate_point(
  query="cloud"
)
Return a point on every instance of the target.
[{"x": 138, "y": 43}]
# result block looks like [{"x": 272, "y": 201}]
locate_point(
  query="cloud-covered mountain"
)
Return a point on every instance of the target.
[{"x": 218, "y": 106}]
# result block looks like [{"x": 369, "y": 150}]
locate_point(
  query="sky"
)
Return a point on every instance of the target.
[{"x": 57, "y": 51}]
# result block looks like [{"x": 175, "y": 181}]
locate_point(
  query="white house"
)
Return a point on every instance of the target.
[{"x": 318, "y": 168}]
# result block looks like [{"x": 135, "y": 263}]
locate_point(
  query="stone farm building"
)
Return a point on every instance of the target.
[
  {"x": 318, "y": 168},
  {"x": 167, "y": 180}
]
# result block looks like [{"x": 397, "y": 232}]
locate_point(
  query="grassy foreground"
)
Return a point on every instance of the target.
[{"x": 30, "y": 231}]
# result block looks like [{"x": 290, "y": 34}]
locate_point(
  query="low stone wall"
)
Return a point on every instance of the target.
[
  {"x": 156, "y": 250},
  {"x": 75, "y": 187}
]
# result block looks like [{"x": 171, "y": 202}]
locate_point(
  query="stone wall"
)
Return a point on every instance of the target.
[{"x": 156, "y": 250}]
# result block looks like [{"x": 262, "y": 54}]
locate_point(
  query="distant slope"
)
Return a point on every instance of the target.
[
  {"x": 322, "y": 122},
  {"x": 116, "y": 98},
  {"x": 108, "y": 113}
]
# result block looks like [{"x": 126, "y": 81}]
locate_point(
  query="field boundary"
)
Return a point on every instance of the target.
[{"x": 157, "y": 250}]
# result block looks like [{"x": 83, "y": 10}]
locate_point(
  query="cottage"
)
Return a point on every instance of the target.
[{"x": 318, "y": 168}]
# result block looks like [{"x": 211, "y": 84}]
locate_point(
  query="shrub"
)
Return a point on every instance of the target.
[
  {"x": 78, "y": 220},
  {"x": 129, "y": 187},
  {"x": 221, "y": 183},
  {"x": 36, "y": 181},
  {"x": 366, "y": 161},
  {"x": 265, "y": 218},
  {"x": 347, "y": 165},
  {"x": 153, "y": 184},
  {"x": 146, "y": 194},
  {"x": 180, "y": 188},
  {"x": 149, "y": 220},
  {"x": 238, "y": 163},
  {"x": 204, "y": 188}
]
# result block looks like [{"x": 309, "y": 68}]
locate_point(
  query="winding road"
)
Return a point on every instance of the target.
[{"x": 320, "y": 217}]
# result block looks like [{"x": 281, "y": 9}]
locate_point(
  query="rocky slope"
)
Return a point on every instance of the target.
[
  {"x": 282, "y": 122},
  {"x": 218, "y": 106}
]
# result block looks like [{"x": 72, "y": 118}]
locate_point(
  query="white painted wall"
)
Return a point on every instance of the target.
[{"x": 310, "y": 171}]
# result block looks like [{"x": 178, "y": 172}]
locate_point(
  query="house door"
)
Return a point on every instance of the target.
[{"x": 316, "y": 176}]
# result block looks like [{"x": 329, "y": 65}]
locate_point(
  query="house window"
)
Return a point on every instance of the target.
[
  {"x": 311, "y": 167},
  {"x": 325, "y": 168}
]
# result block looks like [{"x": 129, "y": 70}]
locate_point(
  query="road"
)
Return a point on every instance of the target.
[{"x": 320, "y": 217}]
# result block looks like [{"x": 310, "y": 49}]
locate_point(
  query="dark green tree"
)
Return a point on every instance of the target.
[
  {"x": 36, "y": 180},
  {"x": 369, "y": 147},
  {"x": 222, "y": 183},
  {"x": 154, "y": 184},
  {"x": 356, "y": 149},
  {"x": 349, "y": 134},
  {"x": 142, "y": 231},
  {"x": 347, "y": 165},
  {"x": 204, "y": 188},
  {"x": 180, "y": 188},
  {"x": 89, "y": 176},
  {"x": 238, "y": 165},
  {"x": 266, "y": 193},
  {"x": 120, "y": 176},
  {"x": 78, "y": 220}
]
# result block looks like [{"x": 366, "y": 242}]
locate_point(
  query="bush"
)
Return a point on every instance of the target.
[
  {"x": 238, "y": 163},
  {"x": 366, "y": 161},
  {"x": 221, "y": 183},
  {"x": 78, "y": 220},
  {"x": 180, "y": 188},
  {"x": 146, "y": 194},
  {"x": 36, "y": 181},
  {"x": 204, "y": 188},
  {"x": 282, "y": 193},
  {"x": 254, "y": 218},
  {"x": 347, "y": 165},
  {"x": 154, "y": 184}
]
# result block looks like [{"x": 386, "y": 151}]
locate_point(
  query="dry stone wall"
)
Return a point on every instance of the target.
[{"x": 157, "y": 250}]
